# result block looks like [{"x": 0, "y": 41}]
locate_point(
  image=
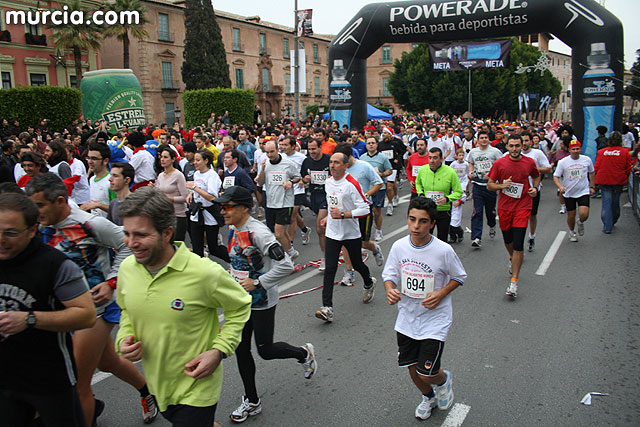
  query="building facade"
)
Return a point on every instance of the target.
[{"x": 27, "y": 55}]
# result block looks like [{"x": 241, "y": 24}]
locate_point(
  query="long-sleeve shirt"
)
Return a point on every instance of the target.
[
  {"x": 347, "y": 196},
  {"x": 175, "y": 185},
  {"x": 443, "y": 182},
  {"x": 175, "y": 316}
]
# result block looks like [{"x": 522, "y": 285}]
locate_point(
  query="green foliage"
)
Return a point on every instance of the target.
[
  {"x": 314, "y": 109},
  {"x": 29, "y": 104},
  {"x": 416, "y": 87},
  {"x": 199, "y": 104},
  {"x": 122, "y": 31},
  {"x": 382, "y": 108},
  {"x": 633, "y": 89},
  {"x": 205, "y": 61}
]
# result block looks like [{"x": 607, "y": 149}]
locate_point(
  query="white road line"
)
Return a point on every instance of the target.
[
  {"x": 551, "y": 254},
  {"x": 101, "y": 376},
  {"x": 456, "y": 416}
]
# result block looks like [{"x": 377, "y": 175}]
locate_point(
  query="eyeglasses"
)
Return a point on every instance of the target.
[
  {"x": 227, "y": 208},
  {"x": 95, "y": 159},
  {"x": 12, "y": 234}
]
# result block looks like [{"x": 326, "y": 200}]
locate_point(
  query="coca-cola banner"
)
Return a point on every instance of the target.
[{"x": 470, "y": 55}]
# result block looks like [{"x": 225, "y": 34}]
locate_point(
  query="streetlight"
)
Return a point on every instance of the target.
[{"x": 178, "y": 114}]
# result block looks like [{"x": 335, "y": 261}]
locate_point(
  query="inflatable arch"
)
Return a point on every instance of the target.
[{"x": 592, "y": 32}]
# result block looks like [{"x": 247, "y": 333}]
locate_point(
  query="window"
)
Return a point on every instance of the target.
[
  {"x": 163, "y": 27},
  {"x": 316, "y": 57},
  {"x": 38, "y": 79},
  {"x": 167, "y": 75},
  {"x": 73, "y": 81},
  {"x": 386, "y": 54},
  {"x": 236, "y": 39},
  {"x": 263, "y": 43},
  {"x": 301, "y": 44},
  {"x": 287, "y": 83},
  {"x": 239, "y": 78},
  {"x": 316, "y": 81},
  {"x": 385, "y": 86},
  {"x": 265, "y": 80},
  {"x": 170, "y": 112},
  {"x": 6, "y": 80},
  {"x": 33, "y": 29},
  {"x": 285, "y": 48}
]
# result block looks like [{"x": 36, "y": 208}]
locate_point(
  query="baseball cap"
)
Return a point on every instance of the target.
[
  {"x": 190, "y": 147},
  {"x": 236, "y": 194},
  {"x": 575, "y": 143}
]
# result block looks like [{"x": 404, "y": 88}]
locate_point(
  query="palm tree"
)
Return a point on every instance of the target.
[
  {"x": 77, "y": 37},
  {"x": 122, "y": 31}
]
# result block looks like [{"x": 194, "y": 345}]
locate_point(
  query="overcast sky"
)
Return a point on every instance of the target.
[{"x": 330, "y": 16}]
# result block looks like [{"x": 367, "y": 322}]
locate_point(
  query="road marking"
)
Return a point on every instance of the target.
[
  {"x": 101, "y": 376},
  {"x": 551, "y": 254},
  {"x": 457, "y": 415}
]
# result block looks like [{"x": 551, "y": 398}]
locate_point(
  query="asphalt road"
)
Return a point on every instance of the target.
[{"x": 571, "y": 331}]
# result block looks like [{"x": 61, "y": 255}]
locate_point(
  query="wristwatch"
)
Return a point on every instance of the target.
[
  {"x": 341, "y": 215},
  {"x": 31, "y": 320},
  {"x": 256, "y": 282}
]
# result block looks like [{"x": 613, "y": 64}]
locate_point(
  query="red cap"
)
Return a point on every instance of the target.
[{"x": 575, "y": 143}]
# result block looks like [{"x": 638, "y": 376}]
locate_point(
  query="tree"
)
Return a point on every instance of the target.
[
  {"x": 633, "y": 89},
  {"x": 77, "y": 37},
  {"x": 205, "y": 61},
  {"x": 122, "y": 31},
  {"x": 416, "y": 87}
]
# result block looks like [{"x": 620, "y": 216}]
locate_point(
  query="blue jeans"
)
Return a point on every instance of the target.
[
  {"x": 610, "y": 206},
  {"x": 483, "y": 199}
]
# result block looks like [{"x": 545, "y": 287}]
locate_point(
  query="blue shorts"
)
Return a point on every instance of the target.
[
  {"x": 318, "y": 201},
  {"x": 378, "y": 199},
  {"x": 111, "y": 314}
]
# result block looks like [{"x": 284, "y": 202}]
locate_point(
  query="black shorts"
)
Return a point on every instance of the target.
[
  {"x": 378, "y": 198},
  {"x": 318, "y": 201},
  {"x": 190, "y": 416},
  {"x": 300, "y": 200},
  {"x": 366, "y": 224},
  {"x": 426, "y": 354},
  {"x": 280, "y": 216},
  {"x": 536, "y": 203},
  {"x": 61, "y": 408},
  {"x": 571, "y": 202}
]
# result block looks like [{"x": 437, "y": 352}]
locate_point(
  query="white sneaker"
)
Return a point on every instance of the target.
[
  {"x": 423, "y": 411},
  {"x": 580, "y": 228},
  {"x": 310, "y": 365},
  {"x": 306, "y": 236},
  {"x": 378, "y": 237},
  {"x": 367, "y": 294},
  {"x": 573, "y": 237},
  {"x": 563, "y": 209},
  {"x": 325, "y": 313},
  {"x": 321, "y": 267},
  {"x": 379, "y": 256},
  {"x": 293, "y": 253},
  {"x": 512, "y": 289},
  {"x": 349, "y": 278},
  {"x": 246, "y": 410},
  {"x": 476, "y": 243},
  {"x": 260, "y": 212},
  {"x": 444, "y": 392},
  {"x": 389, "y": 209},
  {"x": 395, "y": 201}
]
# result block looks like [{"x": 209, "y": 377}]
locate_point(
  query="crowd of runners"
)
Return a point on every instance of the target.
[{"x": 93, "y": 228}]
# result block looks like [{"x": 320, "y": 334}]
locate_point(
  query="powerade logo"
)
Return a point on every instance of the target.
[
  {"x": 600, "y": 87},
  {"x": 577, "y": 9},
  {"x": 452, "y": 9}
]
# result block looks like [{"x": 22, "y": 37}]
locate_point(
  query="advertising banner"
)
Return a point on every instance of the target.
[
  {"x": 470, "y": 55},
  {"x": 302, "y": 71},
  {"x": 304, "y": 23}
]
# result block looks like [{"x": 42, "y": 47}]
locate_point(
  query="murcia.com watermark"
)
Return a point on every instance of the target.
[{"x": 65, "y": 16}]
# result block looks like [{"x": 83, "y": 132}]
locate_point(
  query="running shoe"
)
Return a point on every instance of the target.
[
  {"x": 260, "y": 212},
  {"x": 512, "y": 289},
  {"x": 310, "y": 364},
  {"x": 349, "y": 278},
  {"x": 476, "y": 243},
  {"x": 563, "y": 209},
  {"x": 149, "y": 408},
  {"x": 378, "y": 237},
  {"x": 321, "y": 267},
  {"x": 580, "y": 228},
  {"x": 532, "y": 244},
  {"x": 492, "y": 232},
  {"x": 325, "y": 313},
  {"x": 460, "y": 234},
  {"x": 378, "y": 256},
  {"x": 293, "y": 253},
  {"x": 510, "y": 269},
  {"x": 205, "y": 252},
  {"x": 306, "y": 236},
  {"x": 400, "y": 183},
  {"x": 389, "y": 209},
  {"x": 452, "y": 238},
  {"x": 395, "y": 201},
  {"x": 368, "y": 293},
  {"x": 246, "y": 410},
  {"x": 423, "y": 410},
  {"x": 444, "y": 392},
  {"x": 573, "y": 237}
]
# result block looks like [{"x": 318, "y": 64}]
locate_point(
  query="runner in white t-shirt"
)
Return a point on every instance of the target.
[
  {"x": 575, "y": 178},
  {"x": 420, "y": 273},
  {"x": 100, "y": 193}
]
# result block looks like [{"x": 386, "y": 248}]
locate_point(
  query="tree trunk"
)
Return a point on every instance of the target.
[
  {"x": 125, "y": 50},
  {"x": 77, "y": 58}
]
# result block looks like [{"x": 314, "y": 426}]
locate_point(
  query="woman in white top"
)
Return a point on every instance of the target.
[
  {"x": 81, "y": 193},
  {"x": 205, "y": 187},
  {"x": 173, "y": 183}
]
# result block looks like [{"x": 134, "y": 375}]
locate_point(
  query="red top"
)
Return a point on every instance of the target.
[
  {"x": 613, "y": 166},
  {"x": 515, "y": 198},
  {"x": 328, "y": 146},
  {"x": 415, "y": 160}
]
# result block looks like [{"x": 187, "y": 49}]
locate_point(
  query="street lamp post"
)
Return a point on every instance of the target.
[{"x": 296, "y": 65}]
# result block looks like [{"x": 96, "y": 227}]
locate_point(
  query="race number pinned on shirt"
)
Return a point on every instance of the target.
[
  {"x": 229, "y": 181},
  {"x": 319, "y": 177},
  {"x": 467, "y": 145},
  {"x": 237, "y": 274},
  {"x": 416, "y": 284},
  {"x": 276, "y": 177},
  {"x": 335, "y": 200},
  {"x": 388, "y": 154},
  {"x": 415, "y": 170},
  {"x": 461, "y": 173},
  {"x": 575, "y": 172},
  {"x": 482, "y": 166},
  {"x": 514, "y": 190},
  {"x": 434, "y": 195}
]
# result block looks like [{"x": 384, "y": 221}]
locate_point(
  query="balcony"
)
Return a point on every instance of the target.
[
  {"x": 238, "y": 47},
  {"x": 5, "y": 36},
  {"x": 170, "y": 85},
  {"x": 167, "y": 37},
  {"x": 272, "y": 90},
  {"x": 36, "y": 39}
]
